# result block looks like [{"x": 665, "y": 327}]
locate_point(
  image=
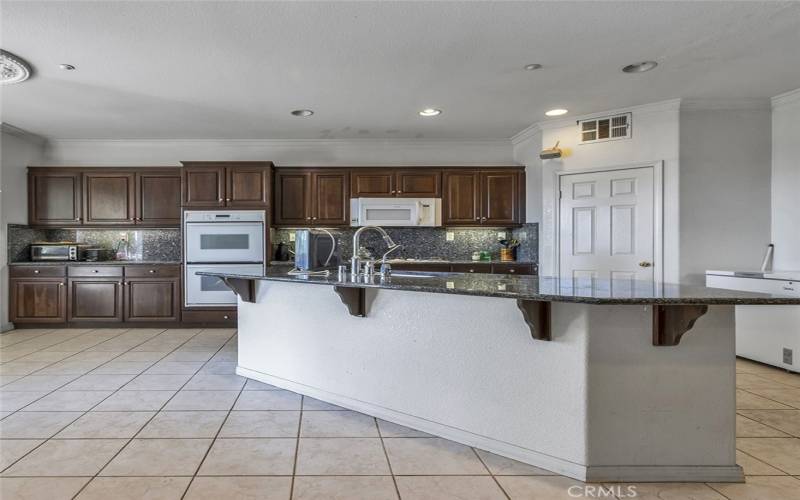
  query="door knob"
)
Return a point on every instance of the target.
[{"x": 644, "y": 263}]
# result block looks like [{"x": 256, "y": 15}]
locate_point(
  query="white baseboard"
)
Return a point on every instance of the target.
[
  {"x": 665, "y": 474},
  {"x": 532, "y": 457},
  {"x": 554, "y": 464}
]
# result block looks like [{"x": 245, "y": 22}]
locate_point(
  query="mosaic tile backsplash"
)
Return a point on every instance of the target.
[
  {"x": 431, "y": 242},
  {"x": 143, "y": 244}
]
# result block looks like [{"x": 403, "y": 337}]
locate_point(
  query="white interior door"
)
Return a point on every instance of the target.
[{"x": 606, "y": 225}]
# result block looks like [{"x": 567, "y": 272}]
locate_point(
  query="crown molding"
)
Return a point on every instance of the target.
[
  {"x": 786, "y": 98},
  {"x": 30, "y": 137},
  {"x": 526, "y": 134},
  {"x": 723, "y": 104}
]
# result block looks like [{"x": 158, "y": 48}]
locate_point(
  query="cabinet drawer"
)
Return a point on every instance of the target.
[
  {"x": 220, "y": 317},
  {"x": 95, "y": 271},
  {"x": 155, "y": 271},
  {"x": 472, "y": 268},
  {"x": 37, "y": 271},
  {"x": 524, "y": 269}
]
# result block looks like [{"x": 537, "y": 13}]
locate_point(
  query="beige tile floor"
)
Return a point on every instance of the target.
[{"x": 160, "y": 414}]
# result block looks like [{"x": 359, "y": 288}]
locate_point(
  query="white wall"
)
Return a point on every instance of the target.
[
  {"x": 724, "y": 188},
  {"x": 364, "y": 152},
  {"x": 17, "y": 151},
  {"x": 527, "y": 147},
  {"x": 655, "y": 138},
  {"x": 786, "y": 180}
]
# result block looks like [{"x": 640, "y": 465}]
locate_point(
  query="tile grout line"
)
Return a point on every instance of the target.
[
  {"x": 475, "y": 451},
  {"x": 297, "y": 446},
  {"x": 115, "y": 455},
  {"x": 762, "y": 461},
  {"x": 216, "y": 435},
  {"x": 765, "y": 425},
  {"x": 386, "y": 454}
]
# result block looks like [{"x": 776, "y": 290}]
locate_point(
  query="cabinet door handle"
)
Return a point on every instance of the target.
[
  {"x": 95, "y": 270},
  {"x": 61, "y": 284},
  {"x": 227, "y": 199},
  {"x": 393, "y": 191},
  {"x": 152, "y": 271},
  {"x": 313, "y": 218},
  {"x": 512, "y": 271},
  {"x": 399, "y": 192},
  {"x": 225, "y": 317},
  {"x": 308, "y": 218},
  {"x": 477, "y": 218},
  {"x": 221, "y": 200},
  {"x": 483, "y": 218},
  {"x": 36, "y": 271},
  {"x": 77, "y": 218}
]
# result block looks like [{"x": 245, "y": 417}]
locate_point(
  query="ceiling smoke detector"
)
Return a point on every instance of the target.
[
  {"x": 430, "y": 112},
  {"x": 532, "y": 67},
  {"x": 67, "y": 67},
  {"x": 302, "y": 112},
  {"x": 639, "y": 67},
  {"x": 13, "y": 69}
]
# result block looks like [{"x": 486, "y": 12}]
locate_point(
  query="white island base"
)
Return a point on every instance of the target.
[{"x": 599, "y": 402}]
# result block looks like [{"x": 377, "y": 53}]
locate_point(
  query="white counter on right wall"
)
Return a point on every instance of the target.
[{"x": 769, "y": 334}]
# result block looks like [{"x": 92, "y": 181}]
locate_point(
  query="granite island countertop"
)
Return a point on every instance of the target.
[
  {"x": 96, "y": 263},
  {"x": 534, "y": 288}
]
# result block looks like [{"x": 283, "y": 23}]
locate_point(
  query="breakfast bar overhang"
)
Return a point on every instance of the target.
[{"x": 597, "y": 380}]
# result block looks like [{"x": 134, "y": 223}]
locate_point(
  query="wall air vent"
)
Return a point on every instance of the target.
[{"x": 607, "y": 128}]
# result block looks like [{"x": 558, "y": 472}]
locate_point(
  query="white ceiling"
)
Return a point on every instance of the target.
[{"x": 234, "y": 70}]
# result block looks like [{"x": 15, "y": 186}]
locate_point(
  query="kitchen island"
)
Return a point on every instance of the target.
[{"x": 596, "y": 380}]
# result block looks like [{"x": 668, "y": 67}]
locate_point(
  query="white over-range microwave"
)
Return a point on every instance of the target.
[{"x": 426, "y": 212}]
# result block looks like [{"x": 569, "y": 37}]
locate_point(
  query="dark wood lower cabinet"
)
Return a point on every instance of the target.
[
  {"x": 149, "y": 300},
  {"x": 91, "y": 299},
  {"x": 38, "y": 300}
]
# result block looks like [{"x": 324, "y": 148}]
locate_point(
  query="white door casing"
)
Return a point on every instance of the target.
[{"x": 608, "y": 225}]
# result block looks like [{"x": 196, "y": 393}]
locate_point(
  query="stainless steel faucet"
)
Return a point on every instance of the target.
[{"x": 355, "y": 261}]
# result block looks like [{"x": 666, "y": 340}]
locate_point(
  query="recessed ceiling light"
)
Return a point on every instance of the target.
[
  {"x": 13, "y": 69},
  {"x": 302, "y": 112},
  {"x": 640, "y": 67},
  {"x": 531, "y": 67},
  {"x": 66, "y": 67},
  {"x": 556, "y": 112},
  {"x": 430, "y": 112}
]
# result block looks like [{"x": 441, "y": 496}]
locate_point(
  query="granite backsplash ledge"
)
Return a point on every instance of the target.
[
  {"x": 162, "y": 245},
  {"x": 431, "y": 242}
]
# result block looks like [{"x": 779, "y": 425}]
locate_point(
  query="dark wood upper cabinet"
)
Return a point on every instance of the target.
[
  {"x": 109, "y": 198},
  {"x": 94, "y": 299},
  {"x": 461, "y": 201},
  {"x": 369, "y": 183},
  {"x": 247, "y": 186},
  {"x": 484, "y": 197},
  {"x": 500, "y": 197},
  {"x": 330, "y": 203},
  {"x": 38, "y": 300},
  {"x": 292, "y": 197},
  {"x": 158, "y": 198},
  {"x": 54, "y": 197},
  {"x": 388, "y": 182},
  {"x": 152, "y": 299},
  {"x": 233, "y": 184},
  {"x": 203, "y": 186},
  {"x": 312, "y": 197},
  {"x": 419, "y": 183}
]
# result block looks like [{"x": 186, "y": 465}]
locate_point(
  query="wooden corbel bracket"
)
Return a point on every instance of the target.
[
  {"x": 354, "y": 299},
  {"x": 536, "y": 314},
  {"x": 670, "y": 322},
  {"x": 244, "y": 288}
]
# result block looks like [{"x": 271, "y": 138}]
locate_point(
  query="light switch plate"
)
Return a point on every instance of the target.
[
  {"x": 450, "y": 236},
  {"x": 450, "y": 284},
  {"x": 291, "y": 236}
]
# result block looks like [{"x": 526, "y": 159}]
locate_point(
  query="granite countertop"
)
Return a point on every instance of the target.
[
  {"x": 98, "y": 263},
  {"x": 536, "y": 288},
  {"x": 424, "y": 261}
]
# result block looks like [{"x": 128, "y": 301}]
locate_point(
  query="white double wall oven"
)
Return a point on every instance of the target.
[{"x": 230, "y": 241}]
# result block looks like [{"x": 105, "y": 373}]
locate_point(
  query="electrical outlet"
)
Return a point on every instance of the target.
[
  {"x": 787, "y": 356},
  {"x": 501, "y": 235},
  {"x": 450, "y": 284},
  {"x": 291, "y": 236},
  {"x": 450, "y": 236}
]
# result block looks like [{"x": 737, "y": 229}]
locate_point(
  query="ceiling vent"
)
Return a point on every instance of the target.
[{"x": 607, "y": 128}]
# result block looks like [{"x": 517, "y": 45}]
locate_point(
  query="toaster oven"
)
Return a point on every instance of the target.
[{"x": 55, "y": 251}]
